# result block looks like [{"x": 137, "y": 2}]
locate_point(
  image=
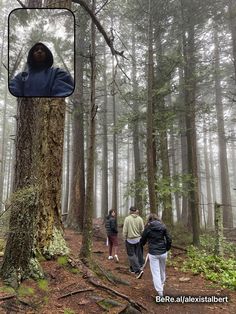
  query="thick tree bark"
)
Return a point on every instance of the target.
[
  {"x": 17, "y": 263},
  {"x": 51, "y": 125},
  {"x": 38, "y": 174}
]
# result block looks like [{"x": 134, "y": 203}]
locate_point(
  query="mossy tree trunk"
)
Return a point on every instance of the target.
[
  {"x": 218, "y": 230},
  {"x": 35, "y": 222},
  {"x": 20, "y": 244}
]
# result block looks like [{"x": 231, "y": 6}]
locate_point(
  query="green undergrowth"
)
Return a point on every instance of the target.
[
  {"x": 219, "y": 269},
  {"x": 180, "y": 235},
  {"x": 63, "y": 261}
]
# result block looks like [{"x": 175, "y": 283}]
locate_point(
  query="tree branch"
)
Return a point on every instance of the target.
[
  {"x": 108, "y": 40},
  {"x": 22, "y": 4},
  {"x": 103, "y": 5}
]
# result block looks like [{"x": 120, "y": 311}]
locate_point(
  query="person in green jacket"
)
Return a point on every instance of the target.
[{"x": 132, "y": 231}]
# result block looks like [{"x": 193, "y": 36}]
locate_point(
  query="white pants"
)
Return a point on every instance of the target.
[{"x": 158, "y": 270}]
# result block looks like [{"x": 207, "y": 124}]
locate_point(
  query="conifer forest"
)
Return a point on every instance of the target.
[{"x": 151, "y": 123}]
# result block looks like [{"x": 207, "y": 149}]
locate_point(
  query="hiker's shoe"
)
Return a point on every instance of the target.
[
  {"x": 110, "y": 257},
  {"x": 131, "y": 271},
  {"x": 116, "y": 258},
  {"x": 139, "y": 274}
]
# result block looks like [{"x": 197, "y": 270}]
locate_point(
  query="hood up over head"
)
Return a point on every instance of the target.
[
  {"x": 49, "y": 57},
  {"x": 157, "y": 225}
]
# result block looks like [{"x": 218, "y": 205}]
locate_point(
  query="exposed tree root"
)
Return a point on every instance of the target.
[
  {"x": 134, "y": 304},
  {"x": 106, "y": 274},
  {"x": 89, "y": 275},
  {"x": 74, "y": 292},
  {"x": 7, "y": 297}
]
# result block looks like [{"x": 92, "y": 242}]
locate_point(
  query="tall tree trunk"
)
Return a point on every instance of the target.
[
  {"x": 104, "y": 143},
  {"x": 232, "y": 17},
  {"x": 77, "y": 196},
  {"x": 224, "y": 174},
  {"x": 190, "y": 87},
  {"x": 115, "y": 162},
  {"x": 135, "y": 128},
  {"x": 183, "y": 143},
  {"x": 86, "y": 248},
  {"x": 210, "y": 220},
  {"x": 150, "y": 128},
  {"x": 162, "y": 79},
  {"x": 66, "y": 166},
  {"x": 212, "y": 169},
  {"x": 174, "y": 154},
  {"x": 3, "y": 150}
]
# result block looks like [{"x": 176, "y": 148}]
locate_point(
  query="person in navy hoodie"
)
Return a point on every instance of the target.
[{"x": 41, "y": 79}]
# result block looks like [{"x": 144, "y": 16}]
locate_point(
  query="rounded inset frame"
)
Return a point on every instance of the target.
[{"x": 41, "y": 52}]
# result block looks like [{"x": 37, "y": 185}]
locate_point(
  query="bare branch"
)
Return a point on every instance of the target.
[
  {"x": 103, "y": 5},
  {"x": 100, "y": 28},
  {"x": 22, "y": 4}
]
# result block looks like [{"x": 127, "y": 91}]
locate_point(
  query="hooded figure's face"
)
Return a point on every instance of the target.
[{"x": 40, "y": 56}]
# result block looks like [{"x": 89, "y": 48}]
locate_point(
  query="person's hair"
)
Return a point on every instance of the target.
[
  {"x": 111, "y": 211},
  {"x": 153, "y": 217},
  {"x": 133, "y": 209}
]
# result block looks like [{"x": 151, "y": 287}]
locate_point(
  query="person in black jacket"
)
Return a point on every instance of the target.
[
  {"x": 111, "y": 229},
  {"x": 159, "y": 242}
]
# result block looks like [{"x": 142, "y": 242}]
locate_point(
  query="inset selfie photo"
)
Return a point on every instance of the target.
[{"x": 41, "y": 52}]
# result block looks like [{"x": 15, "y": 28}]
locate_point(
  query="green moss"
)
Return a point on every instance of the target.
[
  {"x": 27, "y": 196},
  {"x": 24, "y": 291},
  {"x": 68, "y": 311},
  {"x": 43, "y": 284},
  {"x": 107, "y": 304},
  {"x": 7, "y": 289},
  {"x": 62, "y": 260}
]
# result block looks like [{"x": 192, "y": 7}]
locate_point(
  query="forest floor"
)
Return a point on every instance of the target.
[{"x": 61, "y": 291}]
